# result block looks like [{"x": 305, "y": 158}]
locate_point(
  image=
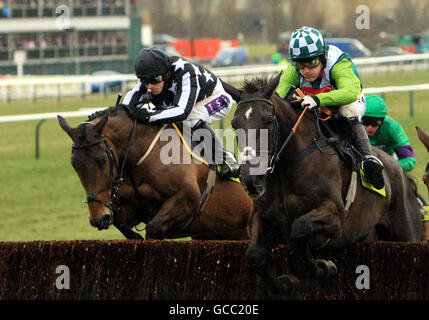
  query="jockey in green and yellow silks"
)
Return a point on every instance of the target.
[{"x": 329, "y": 78}]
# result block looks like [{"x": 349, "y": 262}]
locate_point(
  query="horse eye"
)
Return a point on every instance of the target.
[
  {"x": 268, "y": 120},
  {"x": 101, "y": 162}
]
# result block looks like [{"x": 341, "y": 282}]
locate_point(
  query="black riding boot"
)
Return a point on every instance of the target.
[
  {"x": 371, "y": 165},
  {"x": 230, "y": 167}
]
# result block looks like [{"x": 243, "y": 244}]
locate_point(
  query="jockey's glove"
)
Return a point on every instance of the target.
[
  {"x": 147, "y": 97},
  {"x": 310, "y": 101},
  {"x": 142, "y": 115}
]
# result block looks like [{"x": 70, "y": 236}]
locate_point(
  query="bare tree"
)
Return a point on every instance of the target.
[
  {"x": 200, "y": 20},
  {"x": 276, "y": 19},
  {"x": 411, "y": 18},
  {"x": 226, "y": 20}
]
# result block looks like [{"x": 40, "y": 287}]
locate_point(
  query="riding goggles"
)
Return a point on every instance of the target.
[
  {"x": 373, "y": 122},
  {"x": 152, "y": 79},
  {"x": 310, "y": 64}
]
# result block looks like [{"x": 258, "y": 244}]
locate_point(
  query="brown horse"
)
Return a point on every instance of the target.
[
  {"x": 424, "y": 138},
  {"x": 300, "y": 197},
  {"x": 166, "y": 197}
]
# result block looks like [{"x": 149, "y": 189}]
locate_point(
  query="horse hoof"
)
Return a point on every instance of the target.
[
  {"x": 256, "y": 257},
  {"x": 154, "y": 231},
  {"x": 287, "y": 285},
  {"x": 325, "y": 269}
]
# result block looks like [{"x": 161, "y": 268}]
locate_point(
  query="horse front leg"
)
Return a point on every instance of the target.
[
  {"x": 259, "y": 258},
  {"x": 127, "y": 231},
  {"x": 175, "y": 216},
  {"x": 312, "y": 231},
  {"x": 122, "y": 213}
]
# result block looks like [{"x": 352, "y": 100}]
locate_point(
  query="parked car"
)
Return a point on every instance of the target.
[
  {"x": 164, "y": 42},
  {"x": 236, "y": 56},
  {"x": 106, "y": 85},
  {"x": 388, "y": 51},
  {"x": 162, "y": 39},
  {"x": 353, "y": 47}
]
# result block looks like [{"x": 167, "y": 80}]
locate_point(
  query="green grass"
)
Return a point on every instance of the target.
[{"x": 43, "y": 199}]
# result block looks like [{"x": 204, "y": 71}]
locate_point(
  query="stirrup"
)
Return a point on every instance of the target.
[
  {"x": 227, "y": 171},
  {"x": 372, "y": 168},
  {"x": 370, "y": 157}
]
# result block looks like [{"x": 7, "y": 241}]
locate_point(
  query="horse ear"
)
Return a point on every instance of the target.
[
  {"x": 272, "y": 85},
  {"x": 424, "y": 138},
  {"x": 65, "y": 126},
  {"x": 231, "y": 90},
  {"x": 99, "y": 126}
]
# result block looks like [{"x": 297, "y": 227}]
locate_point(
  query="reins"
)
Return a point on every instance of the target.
[
  {"x": 275, "y": 158},
  {"x": 276, "y": 154}
]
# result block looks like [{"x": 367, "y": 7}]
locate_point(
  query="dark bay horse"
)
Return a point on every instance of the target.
[
  {"x": 300, "y": 199},
  {"x": 424, "y": 138},
  {"x": 166, "y": 197}
]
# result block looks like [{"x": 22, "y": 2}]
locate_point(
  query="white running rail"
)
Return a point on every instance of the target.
[{"x": 33, "y": 87}]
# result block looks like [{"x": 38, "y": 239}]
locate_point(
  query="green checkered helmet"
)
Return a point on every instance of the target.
[
  {"x": 306, "y": 43},
  {"x": 375, "y": 107}
]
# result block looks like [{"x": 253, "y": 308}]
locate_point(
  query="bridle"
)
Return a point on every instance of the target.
[
  {"x": 114, "y": 181},
  {"x": 273, "y": 153}
]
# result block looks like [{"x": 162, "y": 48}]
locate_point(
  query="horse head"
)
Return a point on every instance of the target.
[
  {"x": 424, "y": 138},
  {"x": 260, "y": 120},
  {"x": 95, "y": 161}
]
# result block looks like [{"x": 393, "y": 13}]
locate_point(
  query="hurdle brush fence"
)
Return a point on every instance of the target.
[{"x": 210, "y": 270}]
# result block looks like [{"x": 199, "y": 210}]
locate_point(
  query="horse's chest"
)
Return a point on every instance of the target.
[
  {"x": 298, "y": 203},
  {"x": 148, "y": 192}
]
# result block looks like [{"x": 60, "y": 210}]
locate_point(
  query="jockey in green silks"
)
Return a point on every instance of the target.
[
  {"x": 329, "y": 78},
  {"x": 388, "y": 135}
]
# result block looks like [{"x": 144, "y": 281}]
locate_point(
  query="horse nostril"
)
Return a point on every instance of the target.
[
  {"x": 102, "y": 222},
  {"x": 107, "y": 219}
]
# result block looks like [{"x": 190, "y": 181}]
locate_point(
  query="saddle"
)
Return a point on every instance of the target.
[{"x": 337, "y": 131}]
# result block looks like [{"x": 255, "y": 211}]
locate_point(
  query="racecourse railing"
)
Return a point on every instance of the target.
[
  {"x": 41, "y": 117},
  {"x": 33, "y": 87}
]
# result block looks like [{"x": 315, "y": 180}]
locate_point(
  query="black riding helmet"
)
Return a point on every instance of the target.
[{"x": 151, "y": 62}]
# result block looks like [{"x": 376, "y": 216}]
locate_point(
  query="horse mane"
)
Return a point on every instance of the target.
[
  {"x": 256, "y": 84},
  {"x": 110, "y": 110},
  {"x": 98, "y": 114}
]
